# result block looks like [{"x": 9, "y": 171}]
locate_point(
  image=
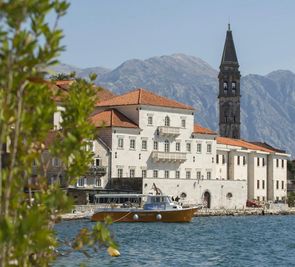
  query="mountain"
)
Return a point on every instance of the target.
[
  {"x": 185, "y": 78},
  {"x": 63, "y": 68},
  {"x": 268, "y": 109},
  {"x": 267, "y": 102},
  {"x": 99, "y": 71}
]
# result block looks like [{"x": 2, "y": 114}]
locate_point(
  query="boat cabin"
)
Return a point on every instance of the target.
[
  {"x": 160, "y": 202},
  {"x": 151, "y": 202}
]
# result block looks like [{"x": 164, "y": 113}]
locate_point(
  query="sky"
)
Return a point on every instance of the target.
[{"x": 106, "y": 33}]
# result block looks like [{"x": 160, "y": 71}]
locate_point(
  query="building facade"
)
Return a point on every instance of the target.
[
  {"x": 264, "y": 168},
  {"x": 156, "y": 138},
  {"x": 145, "y": 136},
  {"x": 98, "y": 174}
]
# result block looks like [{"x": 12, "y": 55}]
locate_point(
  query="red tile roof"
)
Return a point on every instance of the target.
[
  {"x": 143, "y": 97},
  {"x": 112, "y": 118},
  {"x": 241, "y": 143},
  {"x": 51, "y": 136},
  {"x": 64, "y": 84},
  {"x": 263, "y": 144},
  {"x": 104, "y": 94},
  {"x": 202, "y": 130}
]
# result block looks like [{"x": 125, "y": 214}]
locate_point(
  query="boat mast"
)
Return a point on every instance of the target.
[{"x": 157, "y": 189}]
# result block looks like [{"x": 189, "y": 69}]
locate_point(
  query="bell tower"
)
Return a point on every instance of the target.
[{"x": 229, "y": 90}]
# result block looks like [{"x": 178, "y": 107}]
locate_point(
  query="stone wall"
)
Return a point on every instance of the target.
[{"x": 223, "y": 194}]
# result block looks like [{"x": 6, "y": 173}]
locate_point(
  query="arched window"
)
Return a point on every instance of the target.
[
  {"x": 233, "y": 87},
  {"x": 167, "y": 146},
  {"x": 97, "y": 161},
  {"x": 207, "y": 199},
  {"x": 167, "y": 121},
  {"x": 225, "y": 85},
  {"x": 183, "y": 195},
  {"x": 229, "y": 195},
  {"x": 97, "y": 182}
]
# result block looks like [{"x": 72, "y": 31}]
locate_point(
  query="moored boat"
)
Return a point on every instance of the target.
[{"x": 157, "y": 208}]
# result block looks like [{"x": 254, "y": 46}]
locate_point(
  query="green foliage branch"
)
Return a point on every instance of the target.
[
  {"x": 28, "y": 46},
  {"x": 291, "y": 199}
]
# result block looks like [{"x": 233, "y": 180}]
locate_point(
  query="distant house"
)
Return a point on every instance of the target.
[
  {"x": 97, "y": 177},
  {"x": 263, "y": 167},
  {"x": 53, "y": 169}
]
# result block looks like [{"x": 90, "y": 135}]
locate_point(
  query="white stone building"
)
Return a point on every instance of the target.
[
  {"x": 155, "y": 138},
  {"x": 277, "y": 181},
  {"x": 143, "y": 135},
  {"x": 263, "y": 167}
]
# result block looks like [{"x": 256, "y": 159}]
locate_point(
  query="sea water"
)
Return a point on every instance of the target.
[{"x": 206, "y": 241}]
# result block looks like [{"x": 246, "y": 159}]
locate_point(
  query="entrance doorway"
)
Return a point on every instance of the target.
[{"x": 207, "y": 200}]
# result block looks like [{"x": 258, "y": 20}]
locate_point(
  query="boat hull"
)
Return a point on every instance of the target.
[{"x": 182, "y": 215}]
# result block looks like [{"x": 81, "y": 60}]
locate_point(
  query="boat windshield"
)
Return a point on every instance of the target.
[
  {"x": 158, "y": 199},
  {"x": 117, "y": 199}
]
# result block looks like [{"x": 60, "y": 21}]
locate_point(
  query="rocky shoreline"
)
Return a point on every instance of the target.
[{"x": 245, "y": 212}]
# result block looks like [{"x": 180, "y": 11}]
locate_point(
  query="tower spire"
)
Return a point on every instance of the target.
[{"x": 229, "y": 55}]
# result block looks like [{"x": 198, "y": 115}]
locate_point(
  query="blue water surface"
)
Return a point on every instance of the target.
[{"x": 206, "y": 241}]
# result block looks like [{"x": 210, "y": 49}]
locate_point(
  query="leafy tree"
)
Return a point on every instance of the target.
[
  {"x": 62, "y": 76},
  {"x": 291, "y": 199},
  {"x": 28, "y": 46},
  {"x": 291, "y": 169}
]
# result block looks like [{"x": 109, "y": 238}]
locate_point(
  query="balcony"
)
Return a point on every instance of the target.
[
  {"x": 168, "y": 156},
  {"x": 167, "y": 130},
  {"x": 97, "y": 171}
]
